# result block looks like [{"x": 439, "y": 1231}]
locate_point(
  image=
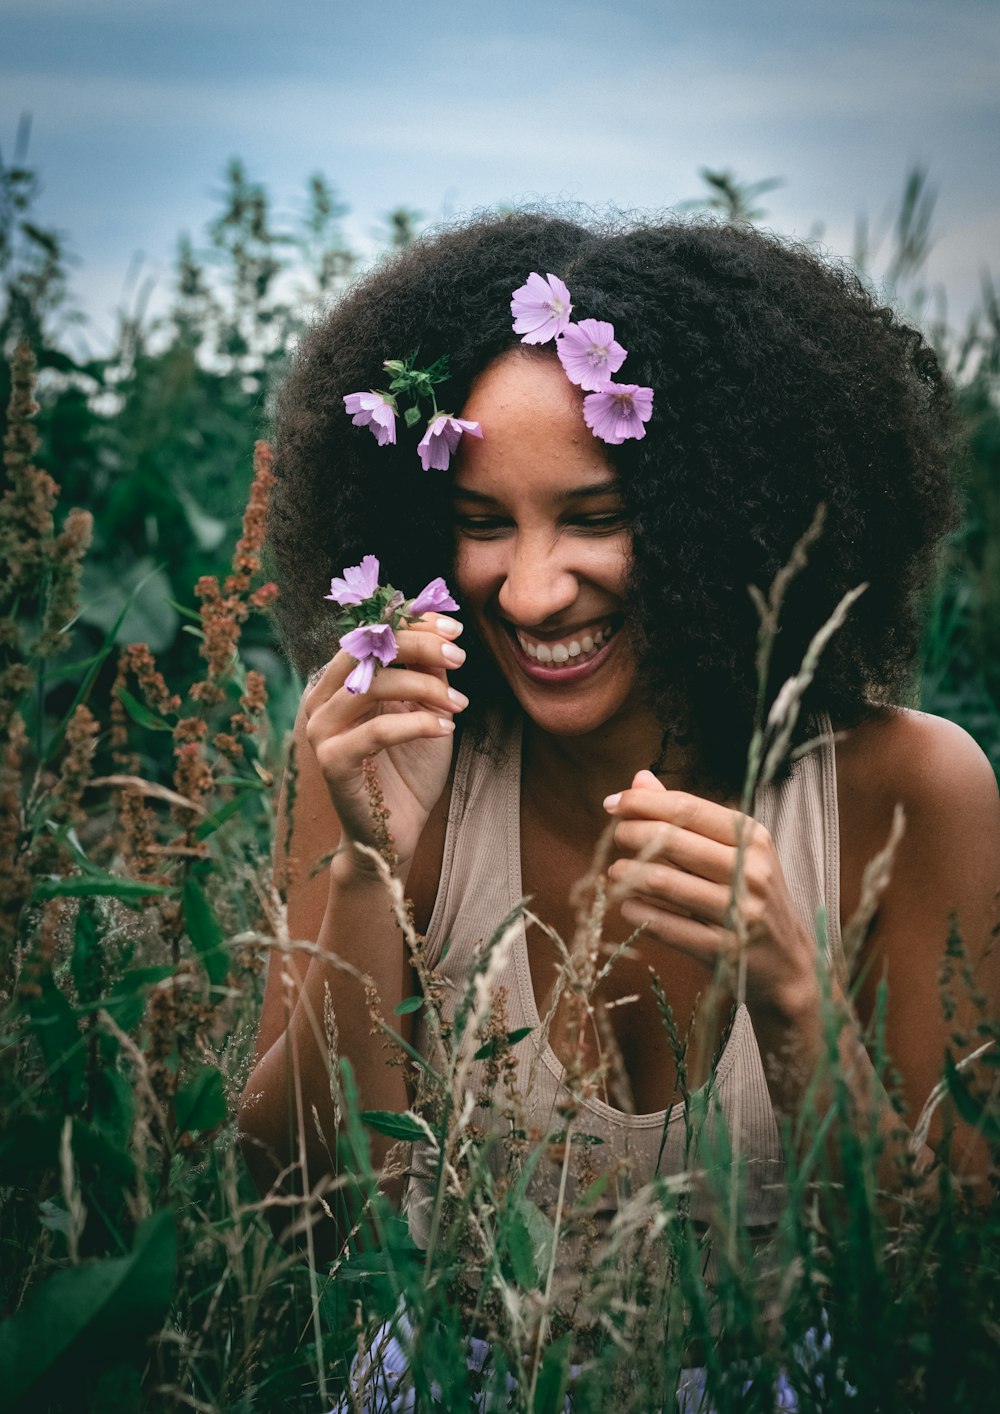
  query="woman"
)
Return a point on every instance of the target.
[{"x": 607, "y": 674}]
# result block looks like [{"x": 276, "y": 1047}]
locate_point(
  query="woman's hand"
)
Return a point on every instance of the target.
[
  {"x": 685, "y": 880},
  {"x": 405, "y": 721}
]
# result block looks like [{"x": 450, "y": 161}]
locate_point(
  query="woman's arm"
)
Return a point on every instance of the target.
[
  {"x": 948, "y": 864},
  {"x": 354, "y": 968}
]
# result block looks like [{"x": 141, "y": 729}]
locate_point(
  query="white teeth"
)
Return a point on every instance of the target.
[{"x": 560, "y": 653}]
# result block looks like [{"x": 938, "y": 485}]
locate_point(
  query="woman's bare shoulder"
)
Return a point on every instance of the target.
[
  {"x": 920, "y": 761},
  {"x": 944, "y": 783}
]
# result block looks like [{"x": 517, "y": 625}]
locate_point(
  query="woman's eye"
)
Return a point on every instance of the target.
[
  {"x": 612, "y": 520},
  {"x": 480, "y": 525}
]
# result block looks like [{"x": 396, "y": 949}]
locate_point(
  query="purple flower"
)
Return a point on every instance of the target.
[
  {"x": 432, "y": 597},
  {"x": 589, "y": 353},
  {"x": 359, "y": 583},
  {"x": 618, "y": 411},
  {"x": 376, "y": 411},
  {"x": 541, "y": 309},
  {"x": 443, "y": 435},
  {"x": 370, "y": 644}
]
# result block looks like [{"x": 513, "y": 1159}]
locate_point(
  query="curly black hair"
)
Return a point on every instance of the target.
[{"x": 780, "y": 383}]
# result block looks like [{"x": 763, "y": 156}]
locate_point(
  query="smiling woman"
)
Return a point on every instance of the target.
[{"x": 609, "y": 682}]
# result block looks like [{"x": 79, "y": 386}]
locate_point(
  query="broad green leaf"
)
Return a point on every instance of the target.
[
  {"x": 143, "y": 592},
  {"x": 407, "y": 1005},
  {"x": 55, "y": 1027},
  {"x": 30, "y": 1147},
  {"x": 205, "y": 932},
  {"x": 140, "y": 713},
  {"x": 395, "y": 1126},
  {"x": 553, "y": 1377},
  {"x": 529, "y": 1241},
  {"x": 88, "y": 1311},
  {"x": 200, "y": 1103},
  {"x": 490, "y": 1049}
]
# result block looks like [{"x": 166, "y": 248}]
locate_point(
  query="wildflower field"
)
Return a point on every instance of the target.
[{"x": 144, "y": 722}]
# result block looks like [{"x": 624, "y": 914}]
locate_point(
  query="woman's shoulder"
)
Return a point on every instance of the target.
[
  {"x": 901, "y": 756},
  {"x": 943, "y": 782}
]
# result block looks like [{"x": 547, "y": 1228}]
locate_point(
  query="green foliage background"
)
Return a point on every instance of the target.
[{"x": 137, "y": 1270}]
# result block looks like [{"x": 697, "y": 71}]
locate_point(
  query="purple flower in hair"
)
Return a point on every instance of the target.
[
  {"x": 359, "y": 583},
  {"x": 618, "y": 411},
  {"x": 443, "y": 435},
  {"x": 541, "y": 308},
  {"x": 433, "y": 597},
  {"x": 370, "y": 644},
  {"x": 375, "y": 411},
  {"x": 589, "y": 353}
]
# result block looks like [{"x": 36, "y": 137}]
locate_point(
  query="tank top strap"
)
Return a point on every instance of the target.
[
  {"x": 800, "y": 813},
  {"x": 481, "y": 863}
]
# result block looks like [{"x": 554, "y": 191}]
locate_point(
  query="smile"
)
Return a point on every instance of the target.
[
  {"x": 563, "y": 660},
  {"x": 562, "y": 650}
]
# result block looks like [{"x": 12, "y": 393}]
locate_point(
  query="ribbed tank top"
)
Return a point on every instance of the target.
[{"x": 480, "y": 885}]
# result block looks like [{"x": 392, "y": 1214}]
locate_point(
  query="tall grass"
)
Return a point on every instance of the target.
[{"x": 138, "y": 1267}]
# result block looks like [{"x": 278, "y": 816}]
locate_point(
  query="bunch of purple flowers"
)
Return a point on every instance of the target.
[
  {"x": 373, "y": 613},
  {"x": 377, "y": 410},
  {"x": 589, "y": 354}
]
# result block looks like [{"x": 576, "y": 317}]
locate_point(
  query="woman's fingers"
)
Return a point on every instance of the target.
[
  {"x": 663, "y": 886},
  {"x": 682, "y": 810},
  {"x": 654, "y": 839},
  {"x": 343, "y": 753},
  {"x": 420, "y": 647},
  {"x": 703, "y": 941}
]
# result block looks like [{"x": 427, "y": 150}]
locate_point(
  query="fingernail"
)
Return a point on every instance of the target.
[
  {"x": 610, "y": 801},
  {"x": 451, "y": 628},
  {"x": 446, "y": 724},
  {"x": 459, "y": 699},
  {"x": 451, "y": 653}
]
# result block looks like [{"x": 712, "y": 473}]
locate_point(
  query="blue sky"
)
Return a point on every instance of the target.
[{"x": 447, "y": 107}]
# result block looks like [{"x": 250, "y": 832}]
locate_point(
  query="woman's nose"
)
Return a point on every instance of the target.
[{"x": 536, "y": 587}]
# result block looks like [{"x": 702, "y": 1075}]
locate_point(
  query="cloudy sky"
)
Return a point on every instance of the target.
[{"x": 451, "y": 105}]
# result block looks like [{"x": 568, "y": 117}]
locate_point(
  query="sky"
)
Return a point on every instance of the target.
[{"x": 448, "y": 107}]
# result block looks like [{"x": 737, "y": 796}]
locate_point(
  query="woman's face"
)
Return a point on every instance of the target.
[{"x": 542, "y": 546}]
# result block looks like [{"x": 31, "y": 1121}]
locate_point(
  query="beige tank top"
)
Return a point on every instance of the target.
[{"x": 480, "y": 885}]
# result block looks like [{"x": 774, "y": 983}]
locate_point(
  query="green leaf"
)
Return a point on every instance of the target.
[
  {"x": 553, "y": 1377},
  {"x": 201, "y": 1102},
  {"x": 91, "y": 1312},
  {"x": 30, "y": 1148},
  {"x": 140, "y": 713},
  {"x": 87, "y": 963},
  {"x": 412, "y": 416},
  {"x": 487, "y": 1051},
  {"x": 209, "y": 826},
  {"x": 395, "y": 1126},
  {"x": 135, "y": 606},
  {"x": 981, "y": 1116},
  {"x": 205, "y": 932},
  {"x": 529, "y": 1242},
  {"x": 54, "y": 1025},
  {"x": 98, "y": 886},
  {"x": 407, "y": 1005}
]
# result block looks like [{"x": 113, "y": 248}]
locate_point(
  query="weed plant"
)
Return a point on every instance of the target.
[
  {"x": 138, "y": 1266},
  {"x": 139, "y": 1271}
]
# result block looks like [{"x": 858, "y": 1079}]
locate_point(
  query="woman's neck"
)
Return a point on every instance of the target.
[{"x": 570, "y": 776}]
